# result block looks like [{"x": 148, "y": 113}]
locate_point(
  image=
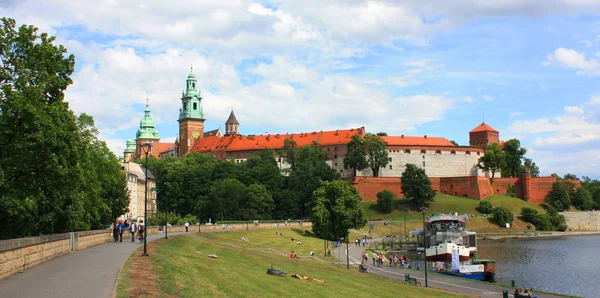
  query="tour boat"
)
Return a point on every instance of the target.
[
  {"x": 445, "y": 233},
  {"x": 479, "y": 269}
]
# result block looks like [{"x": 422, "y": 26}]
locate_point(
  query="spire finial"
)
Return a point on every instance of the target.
[
  {"x": 147, "y": 98},
  {"x": 191, "y": 67}
]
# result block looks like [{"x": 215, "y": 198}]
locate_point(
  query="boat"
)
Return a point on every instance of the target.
[
  {"x": 445, "y": 233},
  {"x": 479, "y": 269}
]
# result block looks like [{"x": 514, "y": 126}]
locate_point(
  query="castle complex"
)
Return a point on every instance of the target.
[{"x": 452, "y": 169}]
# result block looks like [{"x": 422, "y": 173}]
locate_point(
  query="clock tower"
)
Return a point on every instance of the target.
[{"x": 191, "y": 117}]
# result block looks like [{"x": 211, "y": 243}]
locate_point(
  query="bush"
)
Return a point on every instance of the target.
[
  {"x": 510, "y": 191},
  {"x": 385, "y": 201},
  {"x": 485, "y": 207},
  {"x": 542, "y": 222},
  {"x": 529, "y": 214},
  {"x": 502, "y": 216}
]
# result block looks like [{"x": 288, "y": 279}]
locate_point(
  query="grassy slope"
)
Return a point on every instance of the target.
[{"x": 184, "y": 270}]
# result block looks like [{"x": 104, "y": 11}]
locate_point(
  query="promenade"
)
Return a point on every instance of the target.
[
  {"x": 91, "y": 272},
  {"x": 452, "y": 284}
]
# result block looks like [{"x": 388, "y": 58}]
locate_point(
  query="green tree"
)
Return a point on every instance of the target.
[
  {"x": 355, "y": 157},
  {"x": 336, "y": 210},
  {"x": 262, "y": 168},
  {"x": 260, "y": 202},
  {"x": 530, "y": 165},
  {"x": 382, "y": 134},
  {"x": 502, "y": 216},
  {"x": 290, "y": 151},
  {"x": 558, "y": 197},
  {"x": 583, "y": 199},
  {"x": 570, "y": 176},
  {"x": 492, "y": 160},
  {"x": 377, "y": 154},
  {"x": 228, "y": 199},
  {"x": 417, "y": 186},
  {"x": 385, "y": 201},
  {"x": 454, "y": 143},
  {"x": 485, "y": 207},
  {"x": 529, "y": 214},
  {"x": 286, "y": 204},
  {"x": 593, "y": 186},
  {"x": 513, "y": 157}
]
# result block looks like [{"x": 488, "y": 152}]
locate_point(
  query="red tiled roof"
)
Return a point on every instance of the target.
[
  {"x": 274, "y": 141},
  {"x": 162, "y": 147},
  {"x": 483, "y": 127},
  {"x": 415, "y": 141}
]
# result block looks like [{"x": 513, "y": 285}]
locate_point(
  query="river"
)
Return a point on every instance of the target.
[{"x": 567, "y": 265}]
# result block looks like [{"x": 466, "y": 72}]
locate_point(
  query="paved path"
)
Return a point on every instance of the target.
[
  {"x": 91, "y": 272},
  {"x": 453, "y": 284}
]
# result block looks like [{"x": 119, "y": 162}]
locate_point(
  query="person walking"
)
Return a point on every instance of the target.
[
  {"x": 116, "y": 231},
  {"x": 141, "y": 230},
  {"x": 132, "y": 230},
  {"x": 374, "y": 258},
  {"x": 187, "y": 225},
  {"x": 121, "y": 229}
]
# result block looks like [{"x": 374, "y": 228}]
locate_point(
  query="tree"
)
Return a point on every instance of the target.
[
  {"x": 417, "y": 186},
  {"x": 558, "y": 197},
  {"x": 385, "y": 201},
  {"x": 529, "y": 214},
  {"x": 229, "y": 199},
  {"x": 570, "y": 176},
  {"x": 382, "y": 134},
  {"x": 290, "y": 151},
  {"x": 377, "y": 154},
  {"x": 355, "y": 157},
  {"x": 513, "y": 156},
  {"x": 593, "y": 186},
  {"x": 583, "y": 199},
  {"x": 492, "y": 160},
  {"x": 260, "y": 202},
  {"x": 336, "y": 210},
  {"x": 530, "y": 165},
  {"x": 262, "y": 168},
  {"x": 485, "y": 207},
  {"x": 454, "y": 143},
  {"x": 502, "y": 216}
]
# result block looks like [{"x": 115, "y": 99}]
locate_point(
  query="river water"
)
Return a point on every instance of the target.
[{"x": 567, "y": 265}]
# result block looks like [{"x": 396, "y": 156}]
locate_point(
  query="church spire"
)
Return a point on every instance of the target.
[
  {"x": 146, "y": 130},
  {"x": 232, "y": 125}
]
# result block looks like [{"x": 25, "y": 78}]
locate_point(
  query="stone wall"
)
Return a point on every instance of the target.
[
  {"x": 583, "y": 221},
  {"x": 459, "y": 161}
]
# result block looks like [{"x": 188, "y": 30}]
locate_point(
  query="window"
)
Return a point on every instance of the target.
[
  {"x": 468, "y": 153},
  {"x": 423, "y": 164},
  {"x": 423, "y": 151},
  {"x": 193, "y": 85},
  {"x": 390, "y": 167},
  {"x": 336, "y": 164},
  {"x": 407, "y": 151},
  {"x": 390, "y": 159},
  {"x": 438, "y": 152},
  {"x": 335, "y": 156},
  {"x": 184, "y": 106},
  {"x": 195, "y": 106},
  {"x": 453, "y": 152}
]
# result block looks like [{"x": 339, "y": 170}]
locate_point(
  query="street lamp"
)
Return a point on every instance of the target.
[
  {"x": 423, "y": 209},
  {"x": 146, "y": 148}
]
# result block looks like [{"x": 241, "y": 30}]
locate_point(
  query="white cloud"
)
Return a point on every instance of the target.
[
  {"x": 515, "y": 114},
  {"x": 572, "y": 59},
  {"x": 487, "y": 98},
  {"x": 573, "y": 110}
]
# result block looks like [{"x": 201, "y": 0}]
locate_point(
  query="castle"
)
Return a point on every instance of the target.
[{"x": 452, "y": 169}]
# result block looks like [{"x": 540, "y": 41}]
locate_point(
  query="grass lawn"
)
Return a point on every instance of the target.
[
  {"x": 180, "y": 267},
  {"x": 445, "y": 204}
]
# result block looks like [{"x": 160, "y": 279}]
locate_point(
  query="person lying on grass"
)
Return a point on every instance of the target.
[{"x": 307, "y": 278}]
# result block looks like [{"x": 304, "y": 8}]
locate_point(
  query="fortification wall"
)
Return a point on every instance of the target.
[
  {"x": 500, "y": 186},
  {"x": 368, "y": 187},
  {"x": 435, "y": 162},
  {"x": 583, "y": 221},
  {"x": 540, "y": 187}
]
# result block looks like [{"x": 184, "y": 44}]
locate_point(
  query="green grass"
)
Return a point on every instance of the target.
[
  {"x": 184, "y": 270},
  {"x": 445, "y": 204},
  {"x": 124, "y": 282}
]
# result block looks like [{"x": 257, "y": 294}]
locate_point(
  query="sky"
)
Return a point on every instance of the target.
[{"x": 529, "y": 69}]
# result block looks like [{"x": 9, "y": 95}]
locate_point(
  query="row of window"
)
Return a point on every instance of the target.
[{"x": 408, "y": 151}]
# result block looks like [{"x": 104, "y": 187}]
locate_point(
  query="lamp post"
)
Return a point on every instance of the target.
[
  {"x": 146, "y": 148},
  {"x": 423, "y": 209}
]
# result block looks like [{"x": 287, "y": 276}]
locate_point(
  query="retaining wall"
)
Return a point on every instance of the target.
[{"x": 583, "y": 221}]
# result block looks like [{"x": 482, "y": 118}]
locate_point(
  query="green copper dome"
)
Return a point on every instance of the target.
[
  {"x": 191, "y": 101},
  {"x": 130, "y": 146},
  {"x": 147, "y": 130}
]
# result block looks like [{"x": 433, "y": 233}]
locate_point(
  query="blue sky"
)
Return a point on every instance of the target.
[{"x": 529, "y": 68}]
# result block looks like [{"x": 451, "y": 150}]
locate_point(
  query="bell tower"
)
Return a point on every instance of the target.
[
  {"x": 191, "y": 117},
  {"x": 232, "y": 125}
]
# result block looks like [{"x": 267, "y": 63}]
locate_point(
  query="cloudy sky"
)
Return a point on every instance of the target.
[{"x": 414, "y": 67}]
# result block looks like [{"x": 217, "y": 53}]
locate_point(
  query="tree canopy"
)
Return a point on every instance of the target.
[
  {"x": 513, "y": 157},
  {"x": 355, "y": 157},
  {"x": 492, "y": 160},
  {"x": 336, "y": 210},
  {"x": 377, "y": 154},
  {"x": 417, "y": 186},
  {"x": 55, "y": 175}
]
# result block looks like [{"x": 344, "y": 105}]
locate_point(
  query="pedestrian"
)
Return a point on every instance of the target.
[
  {"x": 141, "y": 230},
  {"x": 374, "y": 258},
  {"x": 121, "y": 230},
  {"x": 132, "y": 230},
  {"x": 363, "y": 242},
  {"x": 187, "y": 225},
  {"x": 116, "y": 231}
]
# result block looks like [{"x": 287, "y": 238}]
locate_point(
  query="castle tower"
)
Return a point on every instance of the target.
[
  {"x": 232, "y": 125},
  {"x": 129, "y": 150},
  {"x": 483, "y": 135},
  {"x": 191, "y": 117},
  {"x": 526, "y": 185},
  {"x": 146, "y": 134}
]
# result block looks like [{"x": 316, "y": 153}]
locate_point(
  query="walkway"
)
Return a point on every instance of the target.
[
  {"x": 453, "y": 284},
  {"x": 91, "y": 272}
]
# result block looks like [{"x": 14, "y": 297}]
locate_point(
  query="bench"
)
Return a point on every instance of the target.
[{"x": 411, "y": 280}]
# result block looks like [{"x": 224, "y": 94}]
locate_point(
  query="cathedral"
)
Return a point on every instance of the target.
[{"x": 437, "y": 156}]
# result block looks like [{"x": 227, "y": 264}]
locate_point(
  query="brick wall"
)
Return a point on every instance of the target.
[{"x": 540, "y": 187}]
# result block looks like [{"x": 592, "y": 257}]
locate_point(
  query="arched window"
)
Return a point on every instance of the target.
[
  {"x": 453, "y": 152},
  {"x": 438, "y": 152},
  {"x": 407, "y": 151},
  {"x": 468, "y": 153},
  {"x": 423, "y": 152}
]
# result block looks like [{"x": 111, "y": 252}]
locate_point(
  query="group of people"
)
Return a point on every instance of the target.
[
  {"x": 364, "y": 241},
  {"x": 523, "y": 293},
  {"x": 121, "y": 226},
  {"x": 399, "y": 261}
]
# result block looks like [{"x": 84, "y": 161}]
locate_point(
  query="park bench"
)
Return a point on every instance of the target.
[{"x": 411, "y": 280}]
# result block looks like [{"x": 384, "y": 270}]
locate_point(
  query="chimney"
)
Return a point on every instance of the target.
[
  {"x": 337, "y": 132},
  {"x": 402, "y": 136},
  {"x": 425, "y": 136}
]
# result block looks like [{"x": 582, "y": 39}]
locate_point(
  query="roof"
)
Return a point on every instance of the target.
[
  {"x": 483, "y": 127},
  {"x": 214, "y": 132},
  {"x": 232, "y": 119},
  {"x": 416, "y": 141},
  {"x": 162, "y": 147},
  {"x": 274, "y": 141}
]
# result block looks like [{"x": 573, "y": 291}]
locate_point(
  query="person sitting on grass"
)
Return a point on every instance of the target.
[
  {"x": 307, "y": 278},
  {"x": 293, "y": 255}
]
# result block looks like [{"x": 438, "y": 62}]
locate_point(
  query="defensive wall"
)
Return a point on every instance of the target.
[
  {"x": 17, "y": 255},
  {"x": 582, "y": 221},
  {"x": 532, "y": 190}
]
